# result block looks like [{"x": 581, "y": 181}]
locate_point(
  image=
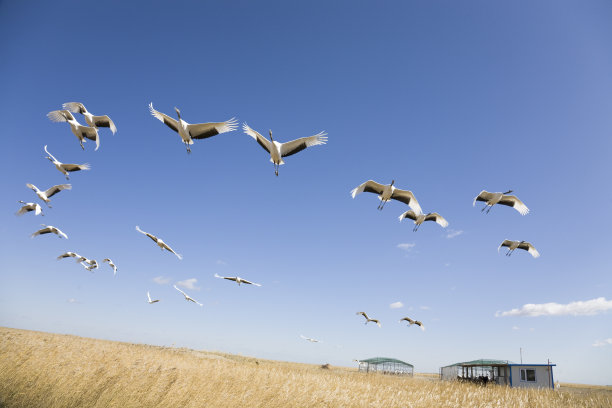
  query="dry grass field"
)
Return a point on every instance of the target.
[{"x": 52, "y": 370}]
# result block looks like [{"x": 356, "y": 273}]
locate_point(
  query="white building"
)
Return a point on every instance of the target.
[{"x": 502, "y": 372}]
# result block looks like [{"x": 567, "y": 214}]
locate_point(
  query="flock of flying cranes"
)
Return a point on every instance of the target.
[{"x": 277, "y": 151}]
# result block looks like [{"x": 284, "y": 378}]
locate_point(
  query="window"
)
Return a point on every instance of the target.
[{"x": 528, "y": 375}]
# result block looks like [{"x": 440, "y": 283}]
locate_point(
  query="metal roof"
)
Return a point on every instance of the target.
[
  {"x": 482, "y": 362},
  {"x": 381, "y": 360}
]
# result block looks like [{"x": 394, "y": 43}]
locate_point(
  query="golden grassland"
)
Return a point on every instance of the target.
[{"x": 53, "y": 370}]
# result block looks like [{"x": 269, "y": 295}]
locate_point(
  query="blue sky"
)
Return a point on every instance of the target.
[{"x": 446, "y": 98}]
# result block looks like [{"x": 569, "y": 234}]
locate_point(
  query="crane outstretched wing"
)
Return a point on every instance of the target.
[
  {"x": 527, "y": 246},
  {"x": 75, "y": 107},
  {"x": 369, "y": 186},
  {"x": 408, "y": 214},
  {"x": 513, "y": 201},
  {"x": 205, "y": 130},
  {"x": 407, "y": 197},
  {"x": 171, "y": 123},
  {"x": 483, "y": 196},
  {"x": 55, "y": 189},
  {"x": 294, "y": 146},
  {"x": 263, "y": 142},
  {"x": 437, "y": 218},
  {"x": 105, "y": 121}
]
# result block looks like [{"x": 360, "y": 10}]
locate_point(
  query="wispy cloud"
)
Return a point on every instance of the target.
[
  {"x": 396, "y": 305},
  {"x": 160, "y": 280},
  {"x": 451, "y": 233},
  {"x": 221, "y": 262},
  {"x": 406, "y": 246},
  {"x": 515, "y": 328},
  {"x": 578, "y": 308},
  {"x": 73, "y": 300},
  {"x": 424, "y": 307},
  {"x": 188, "y": 284},
  {"x": 604, "y": 342}
]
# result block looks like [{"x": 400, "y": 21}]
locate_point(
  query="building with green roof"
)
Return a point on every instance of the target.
[
  {"x": 502, "y": 372},
  {"x": 386, "y": 365}
]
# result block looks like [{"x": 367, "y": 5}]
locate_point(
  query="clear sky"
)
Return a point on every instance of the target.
[{"x": 446, "y": 98}]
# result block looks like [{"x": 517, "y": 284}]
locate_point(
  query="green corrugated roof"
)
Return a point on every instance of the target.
[
  {"x": 482, "y": 362},
  {"x": 381, "y": 360}
]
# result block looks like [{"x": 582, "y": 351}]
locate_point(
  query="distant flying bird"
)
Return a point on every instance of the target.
[
  {"x": 188, "y": 132},
  {"x": 500, "y": 198},
  {"x": 89, "y": 264},
  {"x": 111, "y": 264},
  {"x": 237, "y": 279},
  {"x": 159, "y": 242},
  {"x": 419, "y": 218},
  {"x": 80, "y": 131},
  {"x": 388, "y": 192},
  {"x": 92, "y": 120},
  {"x": 279, "y": 150},
  {"x": 150, "y": 300},
  {"x": 368, "y": 319},
  {"x": 310, "y": 340},
  {"x": 27, "y": 207},
  {"x": 409, "y": 320},
  {"x": 69, "y": 254},
  {"x": 512, "y": 245},
  {"x": 50, "y": 192},
  {"x": 187, "y": 297},
  {"x": 65, "y": 168},
  {"x": 49, "y": 229}
]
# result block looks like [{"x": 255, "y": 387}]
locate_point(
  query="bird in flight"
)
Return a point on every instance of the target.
[
  {"x": 111, "y": 264},
  {"x": 368, "y": 319},
  {"x": 388, "y": 192},
  {"x": 500, "y": 198},
  {"x": 151, "y": 301},
  {"x": 27, "y": 207},
  {"x": 81, "y": 132},
  {"x": 237, "y": 279},
  {"x": 279, "y": 150},
  {"x": 65, "y": 168},
  {"x": 49, "y": 229},
  {"x": 92, "y": 120},
  {"x": 159, "y": 242},
  {"x": 310, "y": 340},
  {"x": 420, "y": 218},
  {"x": 512, "y": 245},
  {"x": 188, "y": 132},
  {"x": 187, "y": 297},
  {"x": 69, "y": 254},
  {"x": 50, "y": 192},
  {"x": 409, "y": 320}
]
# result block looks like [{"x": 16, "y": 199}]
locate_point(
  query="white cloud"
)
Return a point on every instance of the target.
[
  {"x": 515, "y": 328},
  {"x": 578, "y": 308},
  {"x": 451, "y": 233},
  {"x": 73, "y": 300},
  {"x": 424, "y": 307},
  {"x": 160, "y": 280},
  {"x": 406, "y": 247},
  {"x": 396, "y": 305},
  {"x": 221, "y": 262},
  {"x": 188, "y": 284},
  {"x": 605, "y": 342}
]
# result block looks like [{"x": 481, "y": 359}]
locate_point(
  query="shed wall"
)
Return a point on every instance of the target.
[{"x": 543, "y": 377}]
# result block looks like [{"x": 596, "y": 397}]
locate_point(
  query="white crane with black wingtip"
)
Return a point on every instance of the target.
[
  {"x": 27, "y": 207},
  {"x": 409, "y": 320},
  {"x": 279, "y": 150},
  {"x": 111, "y": 264},
  {"x": 187, "y": 297},
  {"x": 237, "y": 279},
  {"x": 188, "y": 132},
  {"x": 500, "y": 198},
  {"x": 49, "y": 229},
  {"x": 368, "y": 319},
  {"x": 159, "y": 242},
  {"x": 512, "y": 245},
  {"x": 65, "y": 168},
  {"x": 50, "y": 192},
  {"x": 420, "y": 218},
  {"x": 151, "y": 301},
  {"x": 80, "y": 131},
  {"x": 70, "y": 254},
  {"x": 91, "y": 119},
  {"x": 388, "y": 192}
]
